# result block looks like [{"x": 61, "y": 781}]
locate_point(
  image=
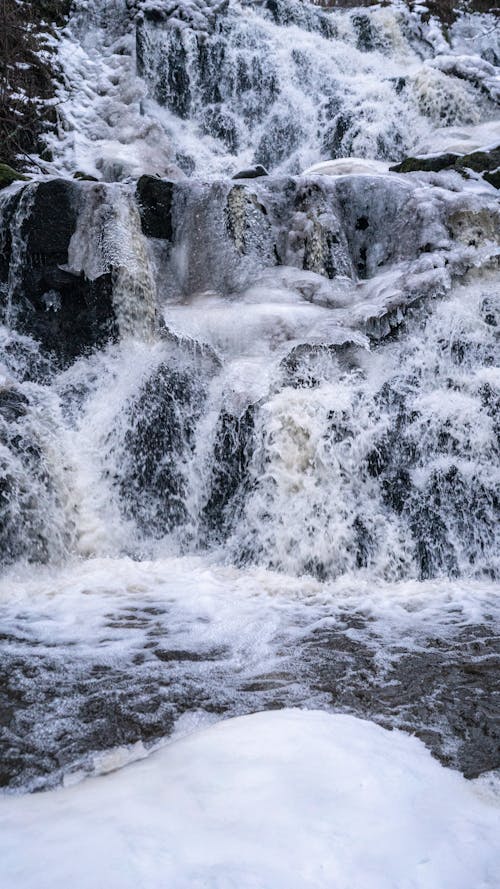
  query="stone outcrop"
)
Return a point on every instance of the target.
[
  {"x": 66, "y": 313},
  {"x": 485, "y": 162}
]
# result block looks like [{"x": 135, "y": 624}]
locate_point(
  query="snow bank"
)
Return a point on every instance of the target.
[{"x": 276, "y": 800}]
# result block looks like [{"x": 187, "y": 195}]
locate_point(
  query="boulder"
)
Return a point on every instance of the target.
[
  {"x": 8, "y": 175},
  {"x": 66, "y": 313},
  {"x": 485, "y": 162},
  {"x": 84, "y": 177},
  {"x": 251, "y": 173},
  {"x": 430, "y": 164},
  {"x": 154, "y": 197}
]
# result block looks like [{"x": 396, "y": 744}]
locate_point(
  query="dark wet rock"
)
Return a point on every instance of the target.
[
  {"x": 251, "y": 173},
  {"x": 66, "y": 313},
  {"x": 71, "y": 316},
  {"x": 13, "y": 404},
  {"x": 88, "y": 710},
  {"x": 430, "y": 164},
  {"x": 229, "y": 478},
  {"x": 155, "y": 198},
  {"x": 179, "y": 655},
  {"x": 8, "y": 175},
  {"x": 367, "y": 37},
  {"x": 481, "y": 161},
  {"x": 84, "y": 177},
  {"x": 485, "y": 162},
  {"x": 446, "y": 692},
  {"x": 52, "y": 220},
  {"x": 493, "y": 178},
  {"x": 158, "y": 433},
  {"x": 58, "y": 707}
]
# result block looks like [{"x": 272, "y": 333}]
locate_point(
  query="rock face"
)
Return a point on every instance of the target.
[
  {"x": 8, "y": 175},
  {"x": 155, "y": 206},
  {"x": 184, "y": 455},
  {"x": 66, "y": 313},
  {"x": 486, "y": 163},
  {"x": 346, "y": 226},
  {"x": 432, "y": 164}
]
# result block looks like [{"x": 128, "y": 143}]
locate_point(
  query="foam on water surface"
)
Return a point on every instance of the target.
[{"x": 125, "y": 652}]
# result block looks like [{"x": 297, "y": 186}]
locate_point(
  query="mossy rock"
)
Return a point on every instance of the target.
[
  {"x": 8, "y": 175},
  {"x": 481, "y": 161},
  {"x": 426, "y": 164},
  {"x": 486, "y": 163},
  {"x": 493, "y": 178}
]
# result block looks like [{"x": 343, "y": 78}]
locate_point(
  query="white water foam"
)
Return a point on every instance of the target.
[{"x": 382, "y": 84}]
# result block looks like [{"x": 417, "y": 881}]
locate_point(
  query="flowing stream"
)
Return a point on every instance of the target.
[{"x": 249, "y": 428}]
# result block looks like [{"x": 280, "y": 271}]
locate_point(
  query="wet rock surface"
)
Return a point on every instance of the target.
[
  {"x": 486, "y": 163},
  {"x": 251, "y": 173},
  {"x": 8, "y": 175},
  {"x": 59, "y": 708},
  {"x": 446, "y": 691},
  {"x": 155, "y": 206},
  {"x": 65, "y": 312},
  {"x": 153, "y": 483}
]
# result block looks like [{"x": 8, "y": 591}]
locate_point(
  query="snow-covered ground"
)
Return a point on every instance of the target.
[{"x": 278, "y": 800}]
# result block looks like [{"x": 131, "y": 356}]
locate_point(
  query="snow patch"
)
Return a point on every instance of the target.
[{"x": 279, "y": 800}]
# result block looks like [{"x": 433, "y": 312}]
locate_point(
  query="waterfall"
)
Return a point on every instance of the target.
[
  {"x": 256, "y": 405},
  {"x": 242, "y": 409},
  {"x": 108, "y": 238}
]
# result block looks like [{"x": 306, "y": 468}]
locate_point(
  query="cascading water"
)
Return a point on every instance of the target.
[
  {"x": 250, "y": 428},
  {"x": 283, "y": 84}
]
